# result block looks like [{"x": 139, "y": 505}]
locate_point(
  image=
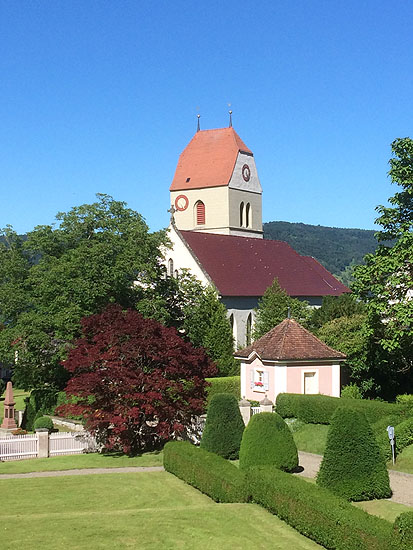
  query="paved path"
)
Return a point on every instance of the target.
[
  {"x": 400, "y": 483},
  {"x": 85, "y": 471}
]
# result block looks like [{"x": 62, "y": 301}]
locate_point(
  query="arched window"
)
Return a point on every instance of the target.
[
  {"x": 241, "y": 214},
  {"x": 176, "y": 273},
  {"x": 170, "y": 267},
  {"x": 247, "y": 214},
  {"x": 200, "y": 213},
  {"x": 233, "y": 328},
  {"x": 249, "y": 329}
]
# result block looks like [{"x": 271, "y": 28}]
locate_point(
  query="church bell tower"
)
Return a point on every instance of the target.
[{"x": 216, "y": 187}]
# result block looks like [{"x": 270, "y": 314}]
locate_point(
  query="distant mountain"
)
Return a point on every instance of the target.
[{"x": 335, "y": 248}]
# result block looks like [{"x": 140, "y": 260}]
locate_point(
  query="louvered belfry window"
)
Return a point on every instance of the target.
[{"x": 200, "y": 213}]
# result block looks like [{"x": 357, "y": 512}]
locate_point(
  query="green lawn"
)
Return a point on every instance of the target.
[
  {"x": 144, "y": 510},
  {"x": 383, "y": 508},
  {"x": 404, "y": 462},
  {"x": 310, "y": 438},
  {"x": 94, "y": 460}
]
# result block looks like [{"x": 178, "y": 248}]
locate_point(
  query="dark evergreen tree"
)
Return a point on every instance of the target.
[
  {"x": 267, "y": 440},
  {"x": 223, "y": 427},
  {"x": 353, "y": 466}
]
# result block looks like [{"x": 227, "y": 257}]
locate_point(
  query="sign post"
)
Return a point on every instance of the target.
[{"x": 390, "y": 432}]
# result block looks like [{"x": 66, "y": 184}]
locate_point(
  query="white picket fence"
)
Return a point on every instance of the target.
[
  {"x": 17, "y": 447},
  {"x": 255, "y": 410}
]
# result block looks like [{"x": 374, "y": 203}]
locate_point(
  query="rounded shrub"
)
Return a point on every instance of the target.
[
  {"x": 43, "y": 422},
  {"x": 267, "y": 440},
  {"x": 403, "y": 529},
  {"x": 352, "y": 391},
  {"x": 353, "y": 466},
  {"x": 223, "y": 427}
]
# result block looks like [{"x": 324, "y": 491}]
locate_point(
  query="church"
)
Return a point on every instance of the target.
[{"x": 216, "y": 232}]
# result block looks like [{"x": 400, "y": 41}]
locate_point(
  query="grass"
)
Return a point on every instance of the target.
[
  {"x": 144, "y": 510},
  {"x": 383, "y": 508},
  {"x": 404, "y": 462},
  {"x": 93, "y": 460},
  {"x": 310, "y": 438}
]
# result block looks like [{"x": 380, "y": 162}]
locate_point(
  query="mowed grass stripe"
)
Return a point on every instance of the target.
[
  {"x": 241, "y": 526},
  {"x": 145, "y": 510}
]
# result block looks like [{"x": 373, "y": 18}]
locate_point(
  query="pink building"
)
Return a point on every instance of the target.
[{"x": 289, "y": 359}]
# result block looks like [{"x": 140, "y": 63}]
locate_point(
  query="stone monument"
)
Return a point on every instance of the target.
[{"x": 9, "y": 423}]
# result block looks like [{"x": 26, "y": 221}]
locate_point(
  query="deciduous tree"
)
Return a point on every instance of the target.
[{"x": 137, "y": 382}]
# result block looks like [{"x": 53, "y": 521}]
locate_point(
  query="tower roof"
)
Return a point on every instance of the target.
[
  {"x": 290, "y": 341},
  {"x": 208, "y": 160}
]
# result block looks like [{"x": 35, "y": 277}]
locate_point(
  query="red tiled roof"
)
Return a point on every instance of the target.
[
  {"x": 290, "y": 341},
  {"x": 242, "y": 266},
  {"x": 208, "y": 160}
]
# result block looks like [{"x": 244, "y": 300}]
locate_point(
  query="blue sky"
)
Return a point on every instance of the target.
[{"x": 102, "y": 97}]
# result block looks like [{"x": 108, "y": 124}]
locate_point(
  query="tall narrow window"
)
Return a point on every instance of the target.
[
  {"x": 241, "y": 214},
  {"x": 170, "y": 267},
  {"x": 247, "y": 215},
  {"x": 249, "y": 329},
  {"x": 200, "y": 213}
]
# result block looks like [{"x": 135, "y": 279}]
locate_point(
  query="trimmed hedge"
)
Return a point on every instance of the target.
[
  {"x": 403, "y": 530},
  {"x": 208, "y": 472},
  {"x": 40, "y": 402},
  {"x": 227, "y": 384},
  {"x": 267, "y": 440},
  {"x": 353, "y": 466},
  {"x": 316, "y": 513},
  {"x": 318, "y": 409},
  {"x": 224, "y": 426},
  {"x": 43, "y": 422}
]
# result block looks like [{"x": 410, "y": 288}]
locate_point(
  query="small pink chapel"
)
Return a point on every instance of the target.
[{"x": 289, "y": 359}]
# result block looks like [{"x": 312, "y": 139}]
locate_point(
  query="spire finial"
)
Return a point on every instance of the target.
[
  {"x": 198, "y": 126},
  {"x": 230, "y": 118}
]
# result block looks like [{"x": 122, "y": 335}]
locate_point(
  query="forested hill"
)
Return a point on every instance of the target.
[{"x": 334, "y": 247}]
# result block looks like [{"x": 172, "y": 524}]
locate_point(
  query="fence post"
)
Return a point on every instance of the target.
[
  {"x": 266, "y": 405},
  {"x": 245, "y": 410},
  {"x": 42, "y": 443}
]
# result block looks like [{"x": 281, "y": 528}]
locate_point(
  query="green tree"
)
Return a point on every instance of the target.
[
  {"x": 223, "y": 427},
  {"x": 334, "y": 307},
  {"x": 206, "y": 324},
  {"x": 99, "y": 254},
  {"x": 274, "y": 307},
  {"x": 385, "y": 282},
  {"x": 353, "y": 466}
]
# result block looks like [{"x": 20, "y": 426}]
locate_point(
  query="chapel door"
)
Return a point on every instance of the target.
[{"x": 310, "y": 383}]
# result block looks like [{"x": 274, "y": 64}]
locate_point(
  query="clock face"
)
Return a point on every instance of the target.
[
  {"x": 246, "y": 172},
  {"x": 181, "y": 202}
]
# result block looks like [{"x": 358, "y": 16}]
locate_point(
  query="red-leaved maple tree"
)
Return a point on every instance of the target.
[{"x": 136, "y": 382}]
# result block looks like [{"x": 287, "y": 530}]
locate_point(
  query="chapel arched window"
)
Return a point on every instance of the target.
[
  {"x": 200, "y": 213},
  {"x": 247, "y": 214},
  {"x": 241, "y": 214}
]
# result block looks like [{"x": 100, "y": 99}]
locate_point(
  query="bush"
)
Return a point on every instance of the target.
[
  {"x": 403, "y": 530},
  {"x": 316, "y": 512},
  {"x": 208, "y": 472},
  {"x": 40, "y": 402},
  {"x": 267, "y": 440},
  {"x": 228, "y": 384},
  {"x": 223, "y": 427},
  {"x": 319, "y": 409},
  {"x": 405, "y": 399},
  {"x": 43, "y": 422},
  {"x": 353, "y": 466},
  {"x": 352, "y": 391},
  {"x": 2, "y": 386}
]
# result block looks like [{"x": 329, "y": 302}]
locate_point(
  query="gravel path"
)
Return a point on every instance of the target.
[
  {"x": 400, "y": 483},
  {"x": 85, "y": 471}
]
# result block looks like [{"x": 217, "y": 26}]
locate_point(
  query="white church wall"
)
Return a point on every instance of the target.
[{"x": 215, "y": 200}]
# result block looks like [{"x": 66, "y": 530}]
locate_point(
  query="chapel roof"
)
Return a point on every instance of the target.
[
  {"x": 243, "y": 266},
  {"x": 290, "y": 341},
  {"x": 208, "y": 160}
]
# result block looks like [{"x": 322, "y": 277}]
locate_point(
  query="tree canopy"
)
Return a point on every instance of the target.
[
  {"x": 137, "y": 382},
  {"x": 98, "y": 254},
  {"x": 385, "y": 282},
  {"x": 274, "y": 307}
]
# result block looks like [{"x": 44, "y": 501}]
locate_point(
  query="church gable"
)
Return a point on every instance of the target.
[{"x": 244, "y": 176}]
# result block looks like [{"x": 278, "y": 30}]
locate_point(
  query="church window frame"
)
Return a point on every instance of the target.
[
  {"x": 200, "y": 213},
  {"x": 170, "y": 267}
]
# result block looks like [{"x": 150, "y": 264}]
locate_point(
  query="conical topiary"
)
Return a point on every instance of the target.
[
  {"x": 223, "y": 427},
  {"x": 353, "y": 466},
  {"x": 267, "y": 440}
]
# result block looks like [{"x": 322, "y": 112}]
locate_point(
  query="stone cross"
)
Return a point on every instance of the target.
[{"x": 8, "y": 420}]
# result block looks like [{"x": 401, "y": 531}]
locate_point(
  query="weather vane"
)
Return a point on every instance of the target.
[{"x": 230, "y": 115}]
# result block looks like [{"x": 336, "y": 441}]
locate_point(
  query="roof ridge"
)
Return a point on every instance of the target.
[{"x": 284, "y": 335}]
